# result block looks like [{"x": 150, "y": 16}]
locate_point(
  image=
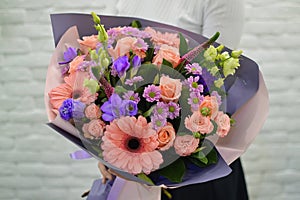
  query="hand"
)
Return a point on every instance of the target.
[{"x": 106, "y": 173}]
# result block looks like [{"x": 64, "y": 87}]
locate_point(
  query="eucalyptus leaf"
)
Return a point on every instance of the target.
[{"x": 183, "y": 47}]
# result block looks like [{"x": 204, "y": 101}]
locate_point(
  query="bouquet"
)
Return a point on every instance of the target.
[{"x": 148, "y": 102}]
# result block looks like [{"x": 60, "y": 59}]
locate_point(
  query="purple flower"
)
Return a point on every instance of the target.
[
  {"x": 72, "y": 109},
  {"x": 133, "y": 80},
  {"x": 195, "y": 100},
  {"x": 130, "y": 95},
  {"x": 192, "y": 83},
  {"x": 130, "y": 107},
  {"x": 151, "y": 93},
  {"x": 113, "y": 108},
  {"x": 207, "y": 78},
  {"x": 66, "y": 109},
  {"x": 161, "y": 109},
  {"x": 121, "y": 65},
  {"x": 194, "y": 68},
  {"x": 136, "y": 62},
  {"x": 141, "y": 44},
  {"x": 173, "y": 110},
  {"x": 158, "y": 121},
  {"x": 69, "y": 55}
]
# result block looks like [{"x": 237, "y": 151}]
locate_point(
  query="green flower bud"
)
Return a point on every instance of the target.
[
  {"x": 93, "y": 55},
  {"x": 196, "y": 134},
  {"x": 210, "y": 54},
  {"x": 218, "y": 83},
  {"x": 214, "y": 70},
  {"x": 105, "y": 62},
  {"x": 230, "y": 65},
  {"x": 92, "y": 85},
  {"x": 236, "y": 54},
  {"x": 102, "y": 34},
  {"x": 96, "y": 18},
  {"x": 205, "y": 111},
  {"x": 220, "y": 48}
]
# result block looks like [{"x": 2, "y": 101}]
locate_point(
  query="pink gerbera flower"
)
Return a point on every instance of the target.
[
  {"x": 130, "y": 144},
  {"x": 72, "y": 88}
]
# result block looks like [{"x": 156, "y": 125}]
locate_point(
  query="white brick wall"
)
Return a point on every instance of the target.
[{"x": 34, "y": 161}]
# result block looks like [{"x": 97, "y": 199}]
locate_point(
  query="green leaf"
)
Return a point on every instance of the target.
[
  {"x": 210, "y": 156},
  {"x": 183, "y": 47},
  {"x": 200, "y": 156},
  {"x": 144, "y": 177},
  {"x": 174, "y": 172},
  {"x": 136, "y": 24}
]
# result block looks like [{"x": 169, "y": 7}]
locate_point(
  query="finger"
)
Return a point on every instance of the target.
[{"x": 105, "y": 173}]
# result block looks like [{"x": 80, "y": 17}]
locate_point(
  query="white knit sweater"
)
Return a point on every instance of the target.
[{"x": 200, "y": 16}]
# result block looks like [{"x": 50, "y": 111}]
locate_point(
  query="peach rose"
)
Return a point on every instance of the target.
[
  {"x": 75, "y": 63},
  {"x": 185, "y": 145},
  {"x": 210, "y": 102},
  {"x": 124, "y": 45},
  {"x": 94, "y": 129},
  {"x": 92, "y": 111},
  {"x": 166, "y": 136},
  {"x": 170, "y": 88},
  {"x": 198, "y": 123},
  {"x": 168, "y": 53},
  {"x": 88, "y": 42},
  {"x": 223, "y": 122}
]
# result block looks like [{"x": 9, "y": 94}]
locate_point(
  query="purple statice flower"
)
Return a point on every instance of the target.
[
  {"x": 121, "y": 65},
  {"x": 161, "y": 109},
  {"x": 158, "y": 122},
  {"x": 219, "y": 99},
  {"x": 113, "y": 108},
  {"x": 151, "y": 93},
  {"x": 133, "y": 80},
  {"x": 66, "y": 109},
  {"x": 195, "y": 100},
  {"x": 130, "y": 107},
  {"x": 78, "y": 109},
  {"x": 130, "y": 95},
  {"x": 173, "y": 110},
  {"x": 136, "y": 62},
  {"x": 192, "y": 83},
  {"x": 194, "y": 69}
]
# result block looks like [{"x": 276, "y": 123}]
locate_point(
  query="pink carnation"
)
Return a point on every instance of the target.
[
  {"x": 92, "y": 111},
  {"x": 130, "y": 144},
  {"x": 223, "y": 122},
  {"x": 94, "y": 129},
  {"x": 185, "y": 145},
  {"x": 199, "y": 123}
]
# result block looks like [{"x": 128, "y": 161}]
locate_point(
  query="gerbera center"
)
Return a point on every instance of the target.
[{"x": 133, "y": 143}]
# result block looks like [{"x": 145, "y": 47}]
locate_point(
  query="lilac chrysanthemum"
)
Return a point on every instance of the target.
[
  {"x": 195, "y": 100},
  {"x": 133, "y": 80},
  {"x": 158, "y": 121},
  {"x": 194, "y": 68},
  {"x": 173, "y": 110},
  {"x": 192, "y": 83},
  {"x": 130, "y": 95},
  {"x": 161, "y": 109},
  {"x": 151, "y": 93}
]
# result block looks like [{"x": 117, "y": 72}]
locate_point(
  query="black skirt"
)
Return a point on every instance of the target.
[{"x": 231, "y": 187}]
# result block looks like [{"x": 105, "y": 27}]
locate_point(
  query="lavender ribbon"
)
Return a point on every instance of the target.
[{"x": 80, "y": 154}]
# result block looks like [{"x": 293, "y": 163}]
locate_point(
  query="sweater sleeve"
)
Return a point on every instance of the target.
[{"x": 225, "y": 16}]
